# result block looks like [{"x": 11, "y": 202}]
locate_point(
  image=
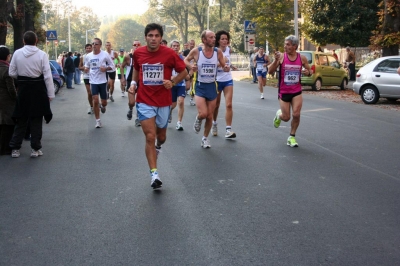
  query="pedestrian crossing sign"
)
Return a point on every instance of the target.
[
  {"x": 249, "y": 26},
  {"x": 51, "y": 35}
]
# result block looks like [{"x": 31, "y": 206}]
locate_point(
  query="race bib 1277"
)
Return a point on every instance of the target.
[{"x": 153, "y": 75}]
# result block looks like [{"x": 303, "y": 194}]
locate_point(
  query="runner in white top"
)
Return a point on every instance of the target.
[
  {"x": 225, "y": 84},
  {"x": 96, "y": 64},
  {"x": 207, "y": 59},
  {"x": 88, "y": 49},
  {"x": 111, "y": 73}
]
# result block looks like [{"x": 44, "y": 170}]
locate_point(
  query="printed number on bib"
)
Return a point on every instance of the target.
[
  {"x": 153, "y": 75},
  {"x": 291, "y": 77},
  {"x": 260, "y": 66},
  {"x": 208, "y": 70}
]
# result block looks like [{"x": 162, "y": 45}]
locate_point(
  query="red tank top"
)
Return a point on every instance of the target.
[{"x": 290, "y": 75}]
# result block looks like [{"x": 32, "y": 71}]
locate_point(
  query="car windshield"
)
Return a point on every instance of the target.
[{"x": 308, "y": 56}]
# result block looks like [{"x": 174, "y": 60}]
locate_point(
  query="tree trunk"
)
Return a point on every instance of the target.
[
  {"x": 3, "y": 22},
  {"x": 391, "y": 24},
  {"x": 18, "y": 23}
]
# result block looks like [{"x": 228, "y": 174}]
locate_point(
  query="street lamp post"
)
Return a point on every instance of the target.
[
  {"x": 87, "y": 34},
  {"x": 210, "y": 3},
  {"x": 296, "y": 19},
  {"x": 69, "y": 33}
]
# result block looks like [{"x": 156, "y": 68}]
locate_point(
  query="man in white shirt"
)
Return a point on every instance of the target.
[
  {"x": 96, "y": 64},
  {"x": 31, "y": 67}
]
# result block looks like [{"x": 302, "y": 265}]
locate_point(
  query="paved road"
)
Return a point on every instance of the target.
[{"x": 251, "y": 201}]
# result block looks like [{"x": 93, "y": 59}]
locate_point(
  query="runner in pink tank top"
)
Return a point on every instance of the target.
[
  {"x": 289, "y": 76},
  {"x": 291, "y": 66}
]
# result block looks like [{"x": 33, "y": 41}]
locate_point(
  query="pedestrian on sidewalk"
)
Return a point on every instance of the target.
[
  {"x": 8, "y": 96},
  {"x": 77, "y": 77},
  {"x": 31, "y": 67},
  {"x": 252, "y": 67},
  {"x": 69, "y": 69}
]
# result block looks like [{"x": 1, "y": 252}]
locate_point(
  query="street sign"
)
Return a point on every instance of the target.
[
  {"x": 249, "y": 27},
  {"x": 51, "y": 35},
  {"x": 249, "y": 41}
]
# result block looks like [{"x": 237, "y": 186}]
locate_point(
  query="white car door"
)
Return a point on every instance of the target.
[{"x": 386, "y": 79}]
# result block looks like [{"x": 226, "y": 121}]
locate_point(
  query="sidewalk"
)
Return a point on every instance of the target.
[{"x": 238, "y": 75}]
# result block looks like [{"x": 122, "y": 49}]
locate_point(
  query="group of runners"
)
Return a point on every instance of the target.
[{"x": 156, "y": 79}]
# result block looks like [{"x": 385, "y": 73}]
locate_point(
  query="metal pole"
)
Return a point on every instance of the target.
[
  {"x": 208, "y": 17},
  {"x": 86, "y": 38},
  {"x": 45, "y": 24},
  {"x": 296, "y": 19},
  {"x": 69, "y": 34}
]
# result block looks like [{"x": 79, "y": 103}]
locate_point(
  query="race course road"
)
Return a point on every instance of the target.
[{"x": 334, "y": 200}]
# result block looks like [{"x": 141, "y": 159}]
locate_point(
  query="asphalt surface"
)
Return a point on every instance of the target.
[{"x": 250, "y": 201}]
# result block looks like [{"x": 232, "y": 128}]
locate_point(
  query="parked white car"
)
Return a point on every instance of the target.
[{"x": 378, "y": 79}]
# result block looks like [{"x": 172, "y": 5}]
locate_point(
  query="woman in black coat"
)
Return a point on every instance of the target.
[
  {"x": 69, "y": 69},
  {"x": 8, "y": 96}
]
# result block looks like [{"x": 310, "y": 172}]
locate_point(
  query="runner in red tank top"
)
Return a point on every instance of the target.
[{"x": 291, "y": 65}]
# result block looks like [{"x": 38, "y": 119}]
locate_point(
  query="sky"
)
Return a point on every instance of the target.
[{"x": 109, "y": 7}]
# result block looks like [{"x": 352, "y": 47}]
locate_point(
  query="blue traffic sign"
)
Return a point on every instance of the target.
[
  {"x": 51, "y": 35},
  {"x": 249, "y": 26}
]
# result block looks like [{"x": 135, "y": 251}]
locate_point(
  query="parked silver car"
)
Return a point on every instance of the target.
[{"x": 378, "y": 79}]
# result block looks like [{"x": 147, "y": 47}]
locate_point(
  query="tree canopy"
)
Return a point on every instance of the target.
[{"x": 342, "y": 22}]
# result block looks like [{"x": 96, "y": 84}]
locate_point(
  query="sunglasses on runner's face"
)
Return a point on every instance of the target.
[
  {"x": 136, "y": 45},
  {"x": 95, "y": 43}
]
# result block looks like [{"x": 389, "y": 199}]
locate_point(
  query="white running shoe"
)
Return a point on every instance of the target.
[
  {"x": 111, "y": 98},
  {"x": 98, "y": 124},
  {"x": 262, "y": 96},
  {"x": 197, "y": 125},
  {"x": 155, "y": 180},
  {"x": 15, "y": 153},
  {"x": 36, "y": 153},
  {"x": 90, "y": 110},
  {"x": 192, "y": 103},
  {"x": 179, "y": 126},
  {"x": 205, "y": 143},
  {"x": 214, "y": 129},
  {"x": 229, "y": 134},
  {"x": 123, "y": 94}
]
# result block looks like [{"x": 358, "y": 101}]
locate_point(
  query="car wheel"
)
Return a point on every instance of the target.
[
  {"x": 56, "y": 86},
  {"x": 63, "y": 80},
  {"x": 317, "y": 85},
  {"x": 392, "y": 100},
  {"x": 343, "y": 84},
  {"x": 370, "y": 95}
]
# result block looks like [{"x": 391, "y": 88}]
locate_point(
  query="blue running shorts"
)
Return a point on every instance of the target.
[
  {"x": 222, "y": 84},
  {"x": 262, "y": 74},
  {"x": 99, "y": 89},
  {"x": 178, "y": 91},
  {"x": 206, "y": 90},
  {"x": 161, "y": 113}
]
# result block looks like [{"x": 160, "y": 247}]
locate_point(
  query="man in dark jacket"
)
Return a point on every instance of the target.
[
  {"x": 70, "y": 70},
  {"x": 77, "y": 77}
]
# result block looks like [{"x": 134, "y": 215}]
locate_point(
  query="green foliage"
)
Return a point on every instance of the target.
[
  {"x": 236, "y": 28},
  {"x": 273, "y": 20},
  {"x": 124, "y": 32},
  {"x": 342, "y": 22}
]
